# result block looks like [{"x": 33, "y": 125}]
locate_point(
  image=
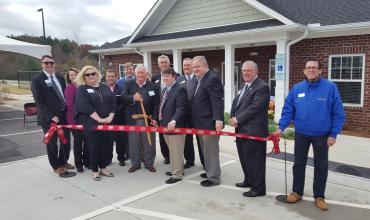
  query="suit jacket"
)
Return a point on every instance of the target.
[
  {"x": 174, "y": 107},
  {"x": 208, "y": 103},
  {"x": 46, "y": 99},
  {"x": 156, "y": 78},
  {"x": 151, "y": 95},
  {"x": 251, "y": 112}
]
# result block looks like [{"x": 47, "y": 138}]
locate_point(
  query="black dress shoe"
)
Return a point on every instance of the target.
[
  {"x": 172, "y": 180},
  {"x": 188, "y": 164},
  {"x": 166, "y": 161},
  {"x": 122, "y": 163},
  {"x": 252, "y": 193},
  {"x": 242, "y": 185},
  {"x": 79, "y": 169},
  {"x": 203, "y": 175},
  {"x": 168, "y": 173},
  {"x": 207, "y": 183}
]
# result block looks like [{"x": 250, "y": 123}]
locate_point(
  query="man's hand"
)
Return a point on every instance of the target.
[
  {"x": 331, "y": 141},
  {"x": 171, "y": 125},
  {"x": 234, "y": 122},
  {"x": 55, "y": 119},
  {"x": 153, "y": 122},
  {"x": 278, "y": 132},
  {"x": 137, "y": 97},
  {"x": 219, "y": 125}
]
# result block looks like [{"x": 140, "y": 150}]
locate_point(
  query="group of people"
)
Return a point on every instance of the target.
[{"x": 192, "y": 100}]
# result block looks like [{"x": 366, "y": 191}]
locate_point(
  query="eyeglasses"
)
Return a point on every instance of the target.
[
  {"x": 47, "y": 63},
  {"x": 90, "y": 74}
]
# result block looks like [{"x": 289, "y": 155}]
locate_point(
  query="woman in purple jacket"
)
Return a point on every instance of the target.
[{"x": 80, "y": 150}]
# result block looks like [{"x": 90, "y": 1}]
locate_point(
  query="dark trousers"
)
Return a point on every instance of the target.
[
  {"x": 80, "y": 150},
  {"x": 57, "y": 156},
  {"x": 189, "y": 149},
  {"x": 121, "y": 140},
  {"x": 252, "y": 155},
  {"x": 98, "y": 143},
  {"x": 320, "y": 151},
  {"x": 164, "y": 148}
]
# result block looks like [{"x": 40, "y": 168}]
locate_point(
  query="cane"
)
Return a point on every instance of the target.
[{"x": 145, "y": 120}]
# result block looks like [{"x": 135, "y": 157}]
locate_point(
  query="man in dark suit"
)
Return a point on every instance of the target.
[
  {"x": 163, "y": 63},
  {"x": 187, "y": 81},
  {"x": 135, "y": 91},
  {"x": 208, "y": 113},
  {"x": 48, "y": 92},
  {"x": 172, "y": 113},
  {"x": 249, "y": 116}
]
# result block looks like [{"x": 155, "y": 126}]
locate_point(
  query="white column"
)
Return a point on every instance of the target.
[
  {"x": 177, "y": 60},
  {"x": 229, "y": 76},
  {"x": 147, "y": 57},
  {"x": 280, "y": 76}
]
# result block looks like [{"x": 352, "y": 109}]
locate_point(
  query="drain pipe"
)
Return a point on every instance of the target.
[
  {"x": 138, "y": 52},
  {"x": 287, "y": 58}
]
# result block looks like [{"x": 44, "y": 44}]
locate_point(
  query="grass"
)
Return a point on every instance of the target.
[{"x": 13, "y": 89}]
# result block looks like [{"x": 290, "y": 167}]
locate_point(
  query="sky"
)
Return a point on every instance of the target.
[{"x": 84, "y": 21}]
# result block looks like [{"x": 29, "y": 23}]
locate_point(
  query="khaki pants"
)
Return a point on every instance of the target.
[{"x": 176, "y": 147}]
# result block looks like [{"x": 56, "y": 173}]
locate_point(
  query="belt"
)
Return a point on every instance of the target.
[{"x": 140, "y": 116}]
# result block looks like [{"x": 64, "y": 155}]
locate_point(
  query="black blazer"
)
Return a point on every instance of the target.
[
  {"x": 174, "y": 107},
  {"x": 251, "y": 112},
  {"x": 156, "y": 78},
  {"x": 208, "y": 103},
  {"x": 151, "y": 95},
  {"x": 46, "y": 99}
]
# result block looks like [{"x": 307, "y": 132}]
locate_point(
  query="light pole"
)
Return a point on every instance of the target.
[{"x": 43, "y": 23}]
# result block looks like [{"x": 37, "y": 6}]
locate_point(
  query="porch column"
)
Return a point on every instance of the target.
[
  {"x": 147, "y": 57},
  {"x": 177, "y": 62},
  {"x": 280, "y": 76},
  {"x": 229, "y": 76}
]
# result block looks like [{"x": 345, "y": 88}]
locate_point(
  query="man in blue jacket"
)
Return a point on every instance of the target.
[{"x": 316, "y": 108}]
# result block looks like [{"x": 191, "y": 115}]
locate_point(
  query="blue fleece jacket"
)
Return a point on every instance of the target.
[{"x": 315, "y": 107}]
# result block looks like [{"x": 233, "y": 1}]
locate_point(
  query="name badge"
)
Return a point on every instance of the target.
[
  {"x": 182, "y": 82},
  {"x": 239, "y": 92},
  {"x": 151, "y": 93},
  {"x": 157, "y": 81},
  {"x": 300, "y": 95},
  {"x": 90, "y": 90},
  {"x": 48, "y": 82}
]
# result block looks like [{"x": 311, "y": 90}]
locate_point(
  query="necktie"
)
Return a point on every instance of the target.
[
  {"x": 188, "y": 78},
  {"x": 162, "y": 102},
  {"x": 59, "y": 95},
  {"x": 197, "y": 82},
  {"x": 245, "y": 88}
]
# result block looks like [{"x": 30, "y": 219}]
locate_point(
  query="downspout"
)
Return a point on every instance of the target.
[
  {"x": 287, "y": 58},
  {"x": 138, "y": 52}
]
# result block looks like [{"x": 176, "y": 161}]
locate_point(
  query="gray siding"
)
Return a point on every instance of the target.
[{"x": 195, "y": 14}]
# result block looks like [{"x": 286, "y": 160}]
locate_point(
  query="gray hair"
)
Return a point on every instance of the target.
[
  {"x": 141, "y": 66},
  {"x": 251, "y": 63},
  {"x": 201, "y": 59},
  {"x": 165, "y": 57}
]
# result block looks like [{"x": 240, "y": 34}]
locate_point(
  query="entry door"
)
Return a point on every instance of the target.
[
  {"x": 272, "y": 80},
  {"x": 237, "y": 75}
]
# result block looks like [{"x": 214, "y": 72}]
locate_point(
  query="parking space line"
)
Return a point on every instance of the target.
[
  {"x": 26, "y": 132},
  {"x": 153, "y": 214},
  {"x": 9, "y": 106},
  {"x": 9, "y": 119},
  {"x": 273, "y": 194},
  {"x": 117, "y": 205}
]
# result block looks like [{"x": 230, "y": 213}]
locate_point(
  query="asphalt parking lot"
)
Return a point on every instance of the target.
[{"x": 32, "y": 191}]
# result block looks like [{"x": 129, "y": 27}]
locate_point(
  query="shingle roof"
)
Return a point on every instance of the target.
[
  {"x": 114, "y": 44},
  {"x": 209, "y": 31},
  {"x": 325, "y": 12}
]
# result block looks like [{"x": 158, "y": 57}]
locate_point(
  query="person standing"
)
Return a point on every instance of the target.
[
  {"x": 135, "y": 92},
  {"x": 249, "y": 116},
  {"x": 172, "y": 113},
  {"x": 163, "y": 63},
  {"x": 208, "y": 113},
  {"x": 118, "y": 136},
  {"x": 95, "y": 104},
  {"x": 80, "y": 151},
  {"x": 187, "y": 81},
  {"x": 129, "y": 75},
  {"x": 316, "y": 108}
]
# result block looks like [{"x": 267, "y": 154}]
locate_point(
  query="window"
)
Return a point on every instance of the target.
[
  {"x": 348, "y": 72},
  {"x": 121, "y": 69}
]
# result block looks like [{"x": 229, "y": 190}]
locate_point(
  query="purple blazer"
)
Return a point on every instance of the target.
[{"x": 70, "y": 95}]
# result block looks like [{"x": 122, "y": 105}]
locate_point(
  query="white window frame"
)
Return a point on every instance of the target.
[
  {"x": 124, "y": 73},
  {"x": 350, "y": 80}
]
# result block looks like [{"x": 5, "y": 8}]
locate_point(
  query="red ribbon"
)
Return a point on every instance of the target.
[{"x": 53, "y": 127}]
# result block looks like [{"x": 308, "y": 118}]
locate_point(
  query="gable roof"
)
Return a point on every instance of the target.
[
  {"x": 325, "y": 12},
  {"x": 209, "y": 31},
  {"x": 115, "y": 44}
]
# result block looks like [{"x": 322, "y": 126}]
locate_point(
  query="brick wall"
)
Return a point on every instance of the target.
[{"x": 358, "y": 118}]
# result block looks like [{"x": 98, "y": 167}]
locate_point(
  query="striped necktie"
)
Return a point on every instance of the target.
[
  {"x": 245, "y": 88},
  {"x": 59, "y": 95},
  {"x": 162, "y": 103}
]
